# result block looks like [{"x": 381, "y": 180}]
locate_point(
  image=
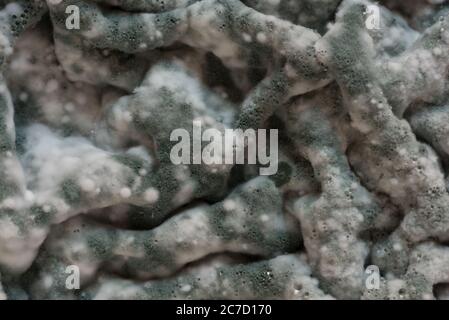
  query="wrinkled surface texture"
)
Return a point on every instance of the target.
[{"x": 86, "y": 178}]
